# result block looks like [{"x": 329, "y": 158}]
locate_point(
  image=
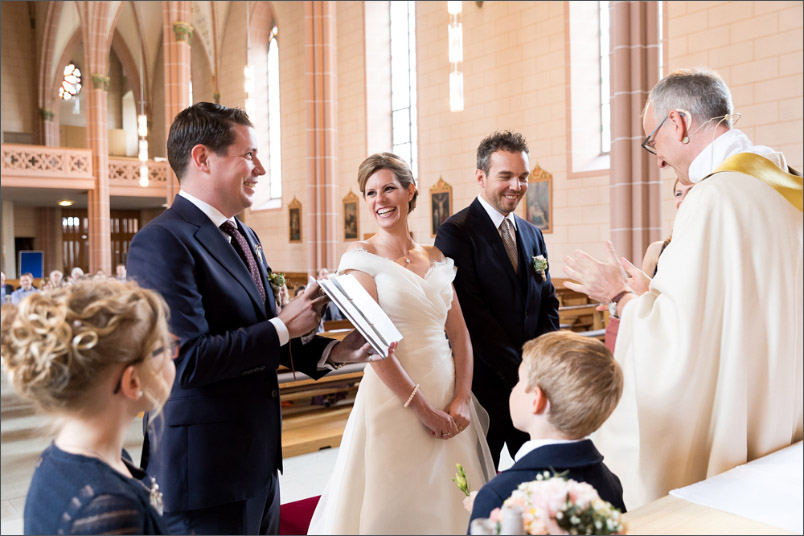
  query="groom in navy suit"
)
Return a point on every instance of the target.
[
  {"x": 216, "y": 447},
  {"x": 505, "y": 300}
]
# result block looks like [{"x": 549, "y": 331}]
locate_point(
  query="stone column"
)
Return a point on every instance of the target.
[
  {"x": 48, "y": 229},
  {"x": 176, "y": 38},
  {"x": 322, "y": 138},
  {"x": 48, "y": 100},
  {"x": 635, "y": 183},
  {"x": 96, "y": 25},
  {"x": 49, "y": 128}
]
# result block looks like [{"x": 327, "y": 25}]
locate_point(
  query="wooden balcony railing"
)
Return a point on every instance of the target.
[
  {"x": 46, "y": 167},
  {"x": 124, "y": 177},
  {"x": 36, "y": 166}
]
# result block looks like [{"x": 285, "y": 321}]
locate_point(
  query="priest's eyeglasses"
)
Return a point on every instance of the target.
[
  {"x": 172, "y": 348},
  {"x": 650, "y": 144}
]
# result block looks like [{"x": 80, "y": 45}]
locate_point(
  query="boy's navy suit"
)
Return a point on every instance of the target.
[{"x": 581, "y": 459}]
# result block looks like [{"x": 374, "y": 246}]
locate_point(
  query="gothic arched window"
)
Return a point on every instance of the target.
[{"x": 71, "y": 83}]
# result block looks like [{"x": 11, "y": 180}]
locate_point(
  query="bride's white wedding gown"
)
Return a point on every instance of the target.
[{"x": 391, "y": 475}]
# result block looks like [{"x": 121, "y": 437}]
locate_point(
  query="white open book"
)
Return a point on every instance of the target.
[{"x": 363, "y": 312}]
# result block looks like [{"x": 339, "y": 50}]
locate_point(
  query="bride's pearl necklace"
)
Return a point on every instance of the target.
[{"x": 405, "y": 254}]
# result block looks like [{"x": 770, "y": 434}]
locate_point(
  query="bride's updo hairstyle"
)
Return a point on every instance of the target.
[
  {"x": 57, "y": 344},
  {"x": 399, "y": 167}
]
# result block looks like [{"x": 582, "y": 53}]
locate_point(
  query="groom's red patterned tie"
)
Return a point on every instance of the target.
[
  {"x": 241, "y": 246},
  {"x": 510, "y": 242}
]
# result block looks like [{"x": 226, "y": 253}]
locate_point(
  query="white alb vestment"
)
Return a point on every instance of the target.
[{"x": 712, "y": 353}]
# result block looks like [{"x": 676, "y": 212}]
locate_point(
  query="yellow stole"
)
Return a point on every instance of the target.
[{"x": 787, "y": 184}]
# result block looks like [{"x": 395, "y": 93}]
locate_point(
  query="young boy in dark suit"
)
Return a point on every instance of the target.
[{"x": 568, "y": 386}]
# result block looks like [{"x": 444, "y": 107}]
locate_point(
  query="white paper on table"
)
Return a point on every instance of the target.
[
  {"x": 363, "y": 312},
  {"x": 768, "y": 490}
]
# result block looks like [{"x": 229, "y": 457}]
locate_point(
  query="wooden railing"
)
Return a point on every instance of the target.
[
  {"x": 46, "y": 167},
  {"x": 124, "y": 177},
  {"x": 38, "y": 166}
]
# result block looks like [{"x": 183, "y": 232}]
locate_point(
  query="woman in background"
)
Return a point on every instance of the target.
[
  {"x": 92, "y": 356},
  {"x": 650, "y": 262}
]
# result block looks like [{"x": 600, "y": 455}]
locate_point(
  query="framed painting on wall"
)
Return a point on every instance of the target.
[
  {"x": 440, "y": 204},
  {"x": 294, "y": 221},
  {"x": 350, "y": 216},
  {"x": 539, "y": 199}
]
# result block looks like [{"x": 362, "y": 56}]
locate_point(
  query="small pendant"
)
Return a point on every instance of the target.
[{"x": 407, "y": 261}]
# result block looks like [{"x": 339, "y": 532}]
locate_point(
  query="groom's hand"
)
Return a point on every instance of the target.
[{"x": 303, "y": 314}]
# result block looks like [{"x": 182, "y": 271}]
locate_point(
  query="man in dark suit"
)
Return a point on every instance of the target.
[
  {"x": 216, "y": 448},
  {"x": 505, "y": 300}
]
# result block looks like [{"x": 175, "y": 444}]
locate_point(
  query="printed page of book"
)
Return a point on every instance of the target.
[{"x": 363, "y": 312}]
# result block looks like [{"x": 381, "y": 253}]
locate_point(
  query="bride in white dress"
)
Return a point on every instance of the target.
[{"x": 395, "y": 464}]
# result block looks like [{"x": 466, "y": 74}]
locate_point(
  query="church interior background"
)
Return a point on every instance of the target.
[{"x": 89, "y": 90}]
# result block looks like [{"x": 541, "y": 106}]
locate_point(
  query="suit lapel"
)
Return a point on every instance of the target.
[
  {"x": 524, "y": 245},
  {"x": 262, "y": 265},
  {"x": 212, "y": 239},
  {"x": 526, "y": 242},
  {"x": 487, "y": 231}
]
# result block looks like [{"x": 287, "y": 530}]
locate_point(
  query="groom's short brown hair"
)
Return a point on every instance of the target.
[{"x": 504, "y": 140}]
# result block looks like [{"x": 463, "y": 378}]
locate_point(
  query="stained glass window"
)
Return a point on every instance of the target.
[{"x": 71, "y": 83}]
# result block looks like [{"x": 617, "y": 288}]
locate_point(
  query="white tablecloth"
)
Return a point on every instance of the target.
[{"x": 768, "y": 490}]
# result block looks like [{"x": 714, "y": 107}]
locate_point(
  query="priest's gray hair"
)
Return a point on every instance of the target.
[{"x": 700, "y": 91}]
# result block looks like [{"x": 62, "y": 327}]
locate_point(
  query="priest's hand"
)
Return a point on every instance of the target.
[
  {"x": 638, "y": 280},
  {"x": 600, "y": 280}
]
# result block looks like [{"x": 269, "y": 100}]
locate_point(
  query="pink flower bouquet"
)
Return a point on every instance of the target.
[{"x": 554, "y": 505}]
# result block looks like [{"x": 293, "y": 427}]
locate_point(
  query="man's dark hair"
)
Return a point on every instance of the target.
[
  {"x": 202, "y": 123},
  {"x": 505, "y": 140}
]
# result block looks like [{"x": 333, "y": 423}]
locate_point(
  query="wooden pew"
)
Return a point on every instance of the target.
[
  {"x": 582, "y": 318},
  {"x": 310, "y": 427},
  {"x": 337, "y": 325},
  {"x": 566, "y": 296}
]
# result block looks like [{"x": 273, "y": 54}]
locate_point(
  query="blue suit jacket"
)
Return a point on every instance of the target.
[
  {"x": 502, "y": 309},
  {"x": 218, "y": 438},
  {"x": 581, "y": 459}
]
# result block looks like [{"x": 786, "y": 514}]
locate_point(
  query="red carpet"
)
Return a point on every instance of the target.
[{"x": 294, "y": 517}]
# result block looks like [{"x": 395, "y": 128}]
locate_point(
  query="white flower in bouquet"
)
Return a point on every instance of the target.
[{"x": 554, "y": 505}]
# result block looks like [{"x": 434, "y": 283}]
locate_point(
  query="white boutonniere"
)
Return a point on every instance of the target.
[
  {"x": 277, "y": 279},
  {"x": 258, "y": 253},
  {"x": 540, "y": 265}
]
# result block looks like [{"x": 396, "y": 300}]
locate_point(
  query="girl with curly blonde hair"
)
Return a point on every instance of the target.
[{"x": 92, "y": 356}]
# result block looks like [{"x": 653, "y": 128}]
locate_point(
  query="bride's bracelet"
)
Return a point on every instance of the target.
[{"x": 412, "y": 394}]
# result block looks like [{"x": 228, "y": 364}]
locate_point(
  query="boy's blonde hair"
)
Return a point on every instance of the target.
[{"x": 579, "y": 377}]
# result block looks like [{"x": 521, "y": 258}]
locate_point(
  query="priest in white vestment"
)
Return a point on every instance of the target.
[{"x": 712, "y": 352}]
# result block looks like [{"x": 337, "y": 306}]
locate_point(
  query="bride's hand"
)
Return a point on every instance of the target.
[
  {"x": 440, "y": 423},
  {"x": 458, "y": 409}
]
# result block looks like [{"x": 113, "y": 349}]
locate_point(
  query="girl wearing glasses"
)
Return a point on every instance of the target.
[{"x": 92, "y": 356}]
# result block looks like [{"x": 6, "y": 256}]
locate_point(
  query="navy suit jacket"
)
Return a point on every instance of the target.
[
  {"x": 502, "y": 309},
  {"x": 582, "y": 461},
  {"x": 218, "y": 438}
]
